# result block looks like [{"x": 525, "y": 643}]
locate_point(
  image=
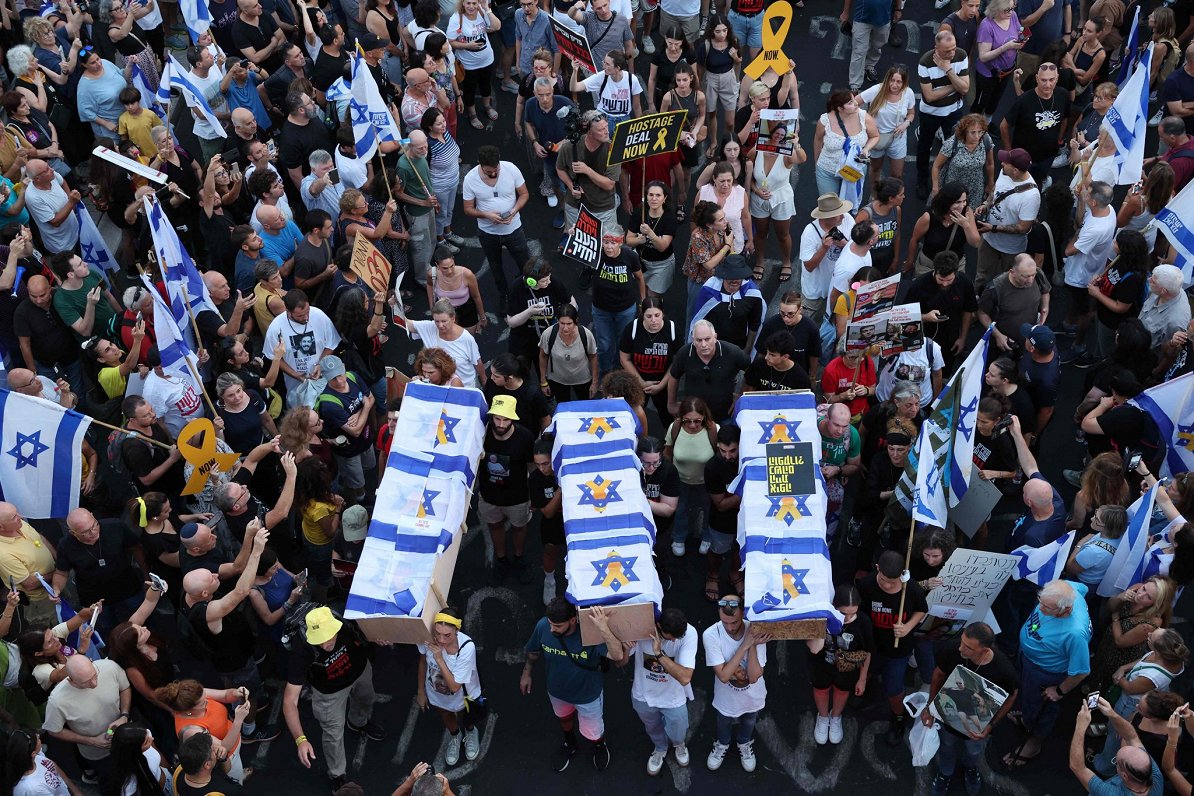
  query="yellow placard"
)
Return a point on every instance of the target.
[
  {"x": 204, "y": 457},
  {"x": 773, "y": 54}
]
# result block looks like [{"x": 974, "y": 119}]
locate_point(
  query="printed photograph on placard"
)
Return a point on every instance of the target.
[
  {"x": 778, "y": 129},
  {"x": 861, "y": 335},
  {"x": 967, "y": 701},
  {"x": 904, "y": 330},
  {"x": 876, "y": 297}
]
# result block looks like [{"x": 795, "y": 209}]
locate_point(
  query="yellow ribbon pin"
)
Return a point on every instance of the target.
[
  {"x": 204, "y": 458},
  {"x": 773, "y": 42}
]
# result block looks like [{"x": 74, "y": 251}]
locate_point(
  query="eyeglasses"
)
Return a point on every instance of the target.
[
  {"x": 783, "y": 314},
  {"x": 698, "y": 421}
]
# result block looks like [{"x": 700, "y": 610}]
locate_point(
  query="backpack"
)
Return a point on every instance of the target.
[
  {"x": 122, "y": 485},
  {"x": 554, "y": 335}
]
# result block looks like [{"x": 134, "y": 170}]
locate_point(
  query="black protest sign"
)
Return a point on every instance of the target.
[
  {"x": 790, "y": 469},
  {"x": 584, "y": 244},
  {"x": 644, "y": 136},
  {"x": 573, "y": 45}
]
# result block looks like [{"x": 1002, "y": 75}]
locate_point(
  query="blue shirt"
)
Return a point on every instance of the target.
[
  {"x": 1094, "y": 558},
  {"x": 280, "y": 247},
  {"x": 573, "y": 670},
  {"x": 548, "y": 127},
  {"x": 533, "y": 36},
  {"x": 1115, "y": 785},
  {"x": 873, "y": 12},
  {"x": 1059, "y": 643},
  {"x": 21, "y": 217},
  {"x": 245, "y": 275},
  {"x": 246, "y": 96},
  {"x": 1048, "y": 28},
  {"x": 1037, "y": 533}
]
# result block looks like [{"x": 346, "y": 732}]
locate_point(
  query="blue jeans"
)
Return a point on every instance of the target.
[
  {"x": 953, "y": 746},
  {"x": 749, "y": 30},
  {"x": 664, "y": 726},
  {"x": 1038, "y": 713},
  {"x": 922, "y": 648},
  {"x": 691, "y": 512},
  {"x": 828, "y": 182},
  {"x": 892, "y": 671},
  {"x": 746, "y": 728},
  {"x": 607, "y": 327}
]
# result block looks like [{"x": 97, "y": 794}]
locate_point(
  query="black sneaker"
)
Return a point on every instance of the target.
[
  {"x": 871, "y": 76},
  {"x": 337, "y": 782},
  {"x": 263, "y": 733},
  {"x": 563, "y": 756},
  {"x": 895, "y": 733},
  {"x": 601, "y": 756},
  {"x": 372, "y": 730}
]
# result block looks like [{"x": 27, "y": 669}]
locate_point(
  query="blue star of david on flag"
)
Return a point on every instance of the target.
[
  {"x": 779, "y": 430},
  {"x": 793, "y": 581},
  {"x": 789, "y": 509},
  {"x": 360, "y": 113},
  {"x": 18, "y": 450},
  {"x": 445, "y": 429},
  {"x": 599, "y": 493},
  {"x": 964, "y": 410},
  {"x": 614, "y": 571},
  {"x": 598, "y": 426},
  {"x": 426, "y": 507}
]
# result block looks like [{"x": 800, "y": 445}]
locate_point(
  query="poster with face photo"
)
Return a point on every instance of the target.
[
  {"x": 876, "y": 297},
  {"x": 904, "y": 330},
  {"x": 861, "y": 335},
  {"x": 967, "y": 701},
  {"x": 778, "y": 129}
]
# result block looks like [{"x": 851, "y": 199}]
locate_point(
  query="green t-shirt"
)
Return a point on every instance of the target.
[
  {"x": 72, "y": 304},
  {"x": 411, "y": 184},
  {"x": 840, "y": 451}
]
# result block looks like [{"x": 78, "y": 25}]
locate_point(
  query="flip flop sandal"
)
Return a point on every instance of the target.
[
  {"x": 785, "y": 273},
  {"x": 491, "y": 113},
  {"x": 712, "y": 589},
  {"x": 1018, "y": 760},
  {"x": 757, "y": 273},
  {"x": 476, "y": 123}
]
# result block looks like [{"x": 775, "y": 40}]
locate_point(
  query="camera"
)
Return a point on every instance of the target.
[
  {"x": 574, "y": 127},
  {"x": 837, "y": 234}
]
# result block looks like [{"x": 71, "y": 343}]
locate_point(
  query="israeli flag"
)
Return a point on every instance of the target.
[
  {"x": 1127, "y": 121},
  {"x": 340, "y": 90},
  {"x": 594, "y": 429},
  {"x": 1040, "y": 565},
  {"x": 929, "y": 503},
  {"x": 711, "y": 295},
  {"x": 92, "y": 247},
  {"x": 767, "y": 419},
  {"x": 165, "y": 82},
  {"x": 178, "y": 355},
  {"x": 183, "y": 282},
  {"x": 1133, "y": 546},
  {"x": 150, "y": 100},
  {"x": 1176, "y": 223},
  {"x": 787, "y": 579},
  {"x": 852, "y": 191},
  {"x": 1170, "y": 406},
  {"x": 448, "y": 423},
  {"x": 197, "y": 16},
  {"x": 179, "y": 78},
  {"x": 1157, "y": 558},
  {"x": 969, "y": 377},
  {"x": 1131, "y": 49},
  {"x": 41, "y": 455},
  {"x": 47, "y": 8},
  {"x": 65, "y": 612},
  {"x": 372, "y": 122}
]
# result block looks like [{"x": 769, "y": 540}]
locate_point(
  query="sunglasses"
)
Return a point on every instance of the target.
[{"x": 729, "y": 606}]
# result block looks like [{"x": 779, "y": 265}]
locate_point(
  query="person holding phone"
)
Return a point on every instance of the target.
[{"x": 322, "y": 189}]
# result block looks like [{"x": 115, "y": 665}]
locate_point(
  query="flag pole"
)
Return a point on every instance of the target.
[
  {"x": 382, "y": 161},
  {"x": 186, "y": 300},
  {"x": 150, "y": 440},
  {"x": 904, "y": 585}
]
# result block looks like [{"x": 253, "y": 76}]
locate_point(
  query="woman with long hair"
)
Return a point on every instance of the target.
[
  {"x": 235, "y": 358},
  {"x": 137, "y": 765},
  {"x": 361, "y": 322},
  {"x": 1052, "y": 229},
  {"x": 892, "y": 104},
  {"x": 1135, "y": 613},
  {"x": 620, "y": 384},
  {"x": 686, "y": 95},
  {"x": 1102, "y": 483},
  {"x": 886, "y": 212},
  {"x": 44, "y": 650},
  {"x": 769, "y": 187},
  {"x": 319, "y": 508},
  {"x": 275, "y": 591},
  {"x": 301, "y": 432},
  {"x": 150, "y": 515},
  {"x": 148, "y": 664},
  {"x": 107, "y": 366},
  {"x": 468, "y": 33},
  {"x": 729, "y": 150},
  {"x": 967, "y": 157},
  {"x": 568, "y": 358},
  {"x": 1143, "y": 203},
  {"x": 947, "y": 225},
  {"x": 710, "y": 243},
  {"x": 443, "y": 166},
  {"x": 717, "y": 58},
  {"x": 844, "y": 127},
  {"x": 646, "y": 350},
  {"x": 839, "y": 663},
  {"x": 1088, "y": 58},
  {"x": 998, "y": 40},
  {"x": 27, "y": 770},
  {"x": 393, "y": 245},
  {"x": 664, "y": 63},
  {"x": 434, "y": 366},
  {"x": 690, "y": 442},
  {"x": 191, "y": 703},
  {"x": 651, "y": 233},
  {"x": 441, "y": 68},
  {"x": 1118, "y": 291},
  {"x": 450, "y": 683},
  {"x": 1166, "y": 51}
]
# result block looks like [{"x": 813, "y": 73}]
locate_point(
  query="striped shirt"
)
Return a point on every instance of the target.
[{"x": 928, "y": 72}]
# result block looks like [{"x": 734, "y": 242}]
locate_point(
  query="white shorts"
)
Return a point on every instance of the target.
[
  {"x": 894, "y": 147},
  {"x": 777, "y": 209},
  {"x": 518, "y": 515}
]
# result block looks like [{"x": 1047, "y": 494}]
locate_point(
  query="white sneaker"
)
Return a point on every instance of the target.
[
  {"x": 682, "y": 755},
  {"x": 553, "y": 201},
  {"x": 704, "y": 547},
  {"x": 678, "y": 549},
  {"x": 835, "y": 729},
  {"x": 717, "y": 756},
  {"x": 648, "y": 45},
  {"x": 747, "y": 752},
  {"x": 452, "y": 756},
  {"x": 549, "y": 587},
  {"x": 1155, "y": 121},
  {"x": 821, "y": 732},
  {"x": 912, "y": 664},
  {"x": 655, "y": 762},
  {"x": 1062, "y": 159},
  {"x": 472, "y": 744}
]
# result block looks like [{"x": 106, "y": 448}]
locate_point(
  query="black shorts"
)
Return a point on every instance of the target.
[
  {"x": 1079, "y": 299},
  {"x": 551, "y": 532},
  {"x": 824, "y": 675}
]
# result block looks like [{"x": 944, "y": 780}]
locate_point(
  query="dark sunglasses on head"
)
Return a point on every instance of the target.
[{"x": 729, "y": 606}]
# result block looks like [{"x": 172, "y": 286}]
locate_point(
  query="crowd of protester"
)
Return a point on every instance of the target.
[{"x": 211, "y": 606}]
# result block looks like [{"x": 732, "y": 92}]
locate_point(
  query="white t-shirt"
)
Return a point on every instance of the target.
[
  {"x": 739, "y": 695},
  {"x": 892, "y": 114},
  {"x": 174, "y": 399},
  {"x": 87, "y": 711},
  {"x": 43, "y": 205},
  {"x": 914, "y": 366},
  {"x": 622, "y": 7},
  {"x": 305, "y": 342},
  {"x": 354, "y": 172},
  {"x": 209, "y": 87},
  {"x": 1015, "y": 207},
  {"x": 847, "y": 265},
  {"x": 815, "y": 284},
  {"x": 652, "y": 684},
  {"x": 42, "y": 781},
  {"x": 461, "y": 28},
  {"x": 463, "y": 666},
  {"x": 498, "y": 198},
  {"x": 463, "y": 349},
  {"x": 1095, "y": 237},
  {"x": 613, "y": 97}
]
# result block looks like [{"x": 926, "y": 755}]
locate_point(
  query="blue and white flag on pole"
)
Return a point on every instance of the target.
[
  {"x": 372, "y": 122},
  {"x": 1176, "y": 223},
  {"x": 929, "y": 503},
  {"x": 711, "y": 295},
  {"x": 1131, "y": 49},
  {"x": 197, "y": 16},
  {"x": 1041, "y": 565},
  {"x": 970, "y": 377},
  {"x": 1169, "y": 405},
  {"x": 173, "y": 347},
  {"x": 178, "y": 269},
  {"x": 41, "y": 455},
  {"x": 150, "y": 100},
  {"x": 591, "y": 429},
  {"x": 92, "y": 247},
  {"x": 177, "y": 76},
  {"x": 1127, "y": 121},
  {"x": 1133, "y": 546}
]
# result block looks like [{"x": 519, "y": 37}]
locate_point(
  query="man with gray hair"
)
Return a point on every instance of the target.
[
  {"x": 1165, "y": 312},
  {"x": 544, "y": 131},
  {"x": 419, "y": 202},
  {"x": 1085, "y": 259},
  {"x": 321, "y": 190},
  {"x": 582, "y": 166},
  {"x": 1179, "y": 148},
  {"x": 710, "y": 369}
]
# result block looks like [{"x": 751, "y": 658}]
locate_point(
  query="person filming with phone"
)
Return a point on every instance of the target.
[{"x": 322, "y": 189}]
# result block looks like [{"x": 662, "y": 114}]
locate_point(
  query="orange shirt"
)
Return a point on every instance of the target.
[{"x": 215, "y": 718}]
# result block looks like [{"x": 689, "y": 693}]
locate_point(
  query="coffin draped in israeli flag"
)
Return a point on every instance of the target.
[
  {"x": 608, "y": 526},
  {"x": 422, "y": 499},
  {"x": 781, "y": 522}
]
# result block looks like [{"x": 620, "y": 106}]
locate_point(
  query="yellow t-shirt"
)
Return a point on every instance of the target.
[
  {"x": 313, "y": 512},
  {"x": 136, "y": 129},
  {"x": 113, "y": 382},
  {"x": 21, "y": 556}
]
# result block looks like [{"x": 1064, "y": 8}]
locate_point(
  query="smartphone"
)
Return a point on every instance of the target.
[
  {"x": 1092, "y": 700},
  {"x": 236, "y": 169},
  {"x": 1134, "y": 462},
  {"x": 334, "y": 176},
  {"x": 139, "y": 316},
  {"x": 942, "y": 318}
]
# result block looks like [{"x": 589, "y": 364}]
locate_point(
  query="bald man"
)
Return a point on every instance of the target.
[
  {"x": 48, "y": 347},
  {"x": 94, "y": 698},
  {"x": 25, "y": 554},
  {"x": 27, "y": 382},
  {"x": 1135, "y": 770},
  {"x": 233, "y": 317},
  {"x": 421, "y": 93},
  {"x": 101, "y": 554},
  {"x": 279, "y": 237}
]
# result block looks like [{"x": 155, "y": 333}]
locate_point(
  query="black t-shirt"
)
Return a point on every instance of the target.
[
  {"x": 243, "y": 430},
  {"x": 856, "y": 636},
  {"x": 882, "y": 609},
  {"x": 219, "y": 783},
  {"x": 663, "y": 226},
  {"x": 1041, "y": 379},
  {"x": 1128, "y": 288},
  {"x": 141, "y": 459},
  {"x": 1036, "y": 123},
  {"x": 209, "y": 323},
  {"x": 999, "y": 671},
  {"x": 543, "y": 489},
  {"x": 614, "y": 285},
  {"x": 761, "y": 376},
  {"x": 547, "y": 302},
  {"x": 1128, "y": 427},
  {"x": 735, "y": 319},
  {"x": 257, "y": 37},
  {"x": 664, "y": 482},
  {"x": 965, "y": 31},
  {"x": 503, "y": 475},
  {"x": 329, "y": 68},
  {"x": 713, "y": 382},
  {"x": 231, "y": 649},
  {"x": 530, "y": 404},
  {"x": 718, "y": 474},
  {"x": 102, "y": 570},
  {"x": 741, "y": 119},
  {"x": 1038, "y": 243},
  {"x": 309, "y": 262},
  {"x": 651, "y": 354},
  {"x": 297, "y": 142},
  {"x": 1024, "y": 408},
  {"x": 239, "y": 523},
  {"x": 995, "y": 453},
  {"x": 951, "y": 302},
  {"x": 808, "y": 339},
  {"x": 329, "y": 672},
  {"x": 52, "y": 341}
]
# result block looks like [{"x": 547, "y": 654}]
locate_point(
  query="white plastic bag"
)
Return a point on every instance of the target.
[{"x": 924, "y": 742}]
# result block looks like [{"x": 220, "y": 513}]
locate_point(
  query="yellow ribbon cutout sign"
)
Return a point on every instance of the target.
[
  {"x": 773, "y": 42},
  {"x": 204, "y": 458}
]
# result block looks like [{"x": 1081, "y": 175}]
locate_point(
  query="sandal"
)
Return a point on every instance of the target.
[
  {"x": 1016, "y": 759},
  {"x": 476, "y": 123},
  {"x": 757, "y": 273},
  {"x": 491, "y": 113},
  {"x": 681, "y": 215},
  {"x": 712, "y": 589},
  {"x": 738, "y": 582},
  {"x": 785, "y": 272}
]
